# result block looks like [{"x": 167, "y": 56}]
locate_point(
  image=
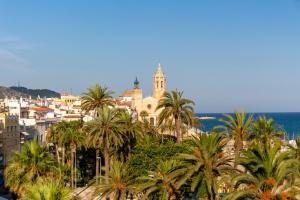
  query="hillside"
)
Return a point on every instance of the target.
[
  {"x": 37, "y": 92},
  {"x": 5, "y": 91}
]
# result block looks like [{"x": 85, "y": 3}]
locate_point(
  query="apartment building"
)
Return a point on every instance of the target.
[{"x": 9, "y": 137}]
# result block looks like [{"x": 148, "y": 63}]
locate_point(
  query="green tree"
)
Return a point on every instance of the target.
[
  {"x": 264, "y": 130},
  {"x": 94, "y": 98},
  {"x": 177, "y": 108},
  {"x": 132, "y": 129},
  {"x": 269, "y": 176},
  {"x": 144, "y": 114},
  {"x": 148, "y": 128},
  {"x": 105, "y": 130},
  {"x": 61, "y": 129},
  {"x": 237, "y": 127},
  {"x": 168, "y": 126},
  {"x": 47, "y": 190},
  {"x": 26, "y": 167},
  {"x": 150, "y": 151},
  {"x": 160, "y": 181},
  {"x": 75, "y": 137},
  {"x": 204, "y": 165},
  {"x": 53, "y": 137},
  {"x": 119, "y": 185}
]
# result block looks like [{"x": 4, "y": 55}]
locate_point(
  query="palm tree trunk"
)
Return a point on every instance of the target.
[
  {"x": 172, "y": 195},
  {"x": 238, "y": 147},
  {"x": 211, "y": 196},
  {"x": 106, "y": 157},
  {"x": 63, "y": 153},
  {"x": 75, "y": 167},
  {"x": 72, "y": 169},
  {"x": 57, "y": 153},
  {"x": 177, "y": 129},
  {"x": 97, "y": 165},
  {"x": 129, "y": 151}
]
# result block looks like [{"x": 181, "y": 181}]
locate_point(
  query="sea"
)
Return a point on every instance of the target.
[{"x": 290, "y": 121}]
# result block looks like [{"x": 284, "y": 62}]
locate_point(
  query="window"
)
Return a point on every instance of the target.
[
  {"x": 157, "y": 86},
  {"x": 162, "y": 84},
  {"x": 152, "y": 121}
]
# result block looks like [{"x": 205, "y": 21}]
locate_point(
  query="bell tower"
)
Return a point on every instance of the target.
[{"x": 159, "y": 83}]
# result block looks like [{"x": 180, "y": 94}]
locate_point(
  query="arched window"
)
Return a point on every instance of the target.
[
  {"x": 152, "y": 121},
  {"x": 157, "y": 84},
  {"x": 162, "y": 84}
]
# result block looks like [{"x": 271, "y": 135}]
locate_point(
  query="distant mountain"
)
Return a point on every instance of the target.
[
  {"x": 37, "y": 92},
  {"x": 5, "y": 91}
]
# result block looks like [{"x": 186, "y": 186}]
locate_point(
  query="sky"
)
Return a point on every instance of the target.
[{"x": 225, "y": 55}]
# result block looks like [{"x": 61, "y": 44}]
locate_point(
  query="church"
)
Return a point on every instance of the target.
[{"x": 147, "y": 106}]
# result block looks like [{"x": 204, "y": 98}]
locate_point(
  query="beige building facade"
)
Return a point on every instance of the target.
[
  {"x": 68, "y": 99},
  {"x": 9, "y": 137},
  {"x": 147, "y": 104}
]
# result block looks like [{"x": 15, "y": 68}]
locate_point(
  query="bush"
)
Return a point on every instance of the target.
[{"x": 150, "y": 151}]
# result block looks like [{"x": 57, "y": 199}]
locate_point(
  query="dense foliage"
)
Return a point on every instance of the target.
[
  {"x": 117, "y": 156},
  {"x": 150, "y": 152}
]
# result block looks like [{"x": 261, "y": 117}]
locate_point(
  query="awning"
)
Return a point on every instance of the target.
[{"x": 24, "y": 133}]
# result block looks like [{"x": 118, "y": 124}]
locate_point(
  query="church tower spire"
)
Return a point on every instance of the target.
[
  {"x": 159, "y": 83},
  {"x": 136, "y": 83}
]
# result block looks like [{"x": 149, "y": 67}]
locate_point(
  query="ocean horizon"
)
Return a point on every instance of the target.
[{"x": 289, "y": 121}]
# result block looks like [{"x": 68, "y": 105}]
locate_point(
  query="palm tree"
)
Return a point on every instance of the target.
[
  {"x": 264, "y": 130},
  {"x": 269, "y": 176},
  {"x": 119, "y": 184},
  {"x": 96, "y": 97},
  {"x": 26, "y": 167},
  {"x": 61, "y": 128},
  {"x": 47, "y": 190},
  {"x": 295, "y": 153},
  {"x": 204, "y": 165},
  {"x": 238, "y": 127},
  {"x": 168, "y": 126},
  {"x": 178, "y": 109},
  {"x": 148, "y": 128},
  {"x": 75, "y": 137},
  {"x": 105, "y": 130},
  {"x": 296, "y": 148},
  {"x": 144, "y": 114},
  {"x": 160, "y": 181},
  {"x": 132, "y": 129},
  {"x": 53, "y": 137}
]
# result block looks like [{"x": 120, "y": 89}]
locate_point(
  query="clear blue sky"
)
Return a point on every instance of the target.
[{"x": 225, "y": 54}]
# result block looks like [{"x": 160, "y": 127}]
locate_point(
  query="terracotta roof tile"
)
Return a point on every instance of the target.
[
  {"x": 127, "y": 93},
  {"x": 41, "y": 109}
]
